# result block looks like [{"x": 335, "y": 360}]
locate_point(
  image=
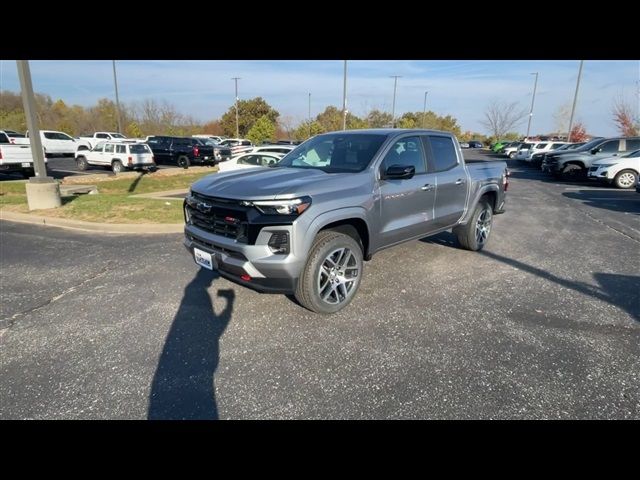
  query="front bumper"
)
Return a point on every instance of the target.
[{"x": 269, "y": 272}]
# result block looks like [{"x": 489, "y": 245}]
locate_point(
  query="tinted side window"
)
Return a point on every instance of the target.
[
  {"x": 108, "y": 148},
  {"x": 250, "y": 160},
  {"x": 50, "y": 135},
  {"x": 632, "y": 145},
  {"x": 610, "y": 147},
  {"x": 102, "y": 135},
  {"x": 121, "y": 149},
  {"x": 444, "y": 153},
  {"x": 4, "y": 138},
  {"x": 406, "y": 152}
]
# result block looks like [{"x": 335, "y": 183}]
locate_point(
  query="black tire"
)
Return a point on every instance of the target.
[
  {"x": 626, "y": 179},
  {"x": 116, "y": 167},
  {"x": 81, "y": 163},
  {"x": 183, "y": 162},
  {"x": 308, "y": 291},
  {"x": 572, "y": 172},
  {"x": 475, "y": 235}
]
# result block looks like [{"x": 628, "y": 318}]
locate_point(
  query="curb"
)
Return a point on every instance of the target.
[{"x": 139, "y": 228}]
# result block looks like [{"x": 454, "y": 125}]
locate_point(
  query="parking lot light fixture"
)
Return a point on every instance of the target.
[
  {"x": 533, "y": 99},
  {"x": 424, "y": 111},
  {"x": 393, "y": 105},
  {"x": 237, "y": 120}
]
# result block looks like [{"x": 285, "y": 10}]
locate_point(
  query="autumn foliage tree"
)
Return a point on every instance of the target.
[
  {"x": 626, "y": 121},
  {"x": 578, "y": 133}
]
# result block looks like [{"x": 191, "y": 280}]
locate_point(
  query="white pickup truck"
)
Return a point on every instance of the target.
[
  {"x": 90, "y": 141},
  {"x": 58, "y": 143},
  {"x": 15, "y": 158}
]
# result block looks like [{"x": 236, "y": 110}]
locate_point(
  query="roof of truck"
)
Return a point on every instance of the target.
[{"x": 389, "y": 131}]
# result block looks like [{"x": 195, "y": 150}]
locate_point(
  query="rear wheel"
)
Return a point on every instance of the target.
[
  {"x": 475, "y": 234},
  {"x": 81, "y": 163},
  {"x": 572, "y": 172},
  {"x": 331, "y": 277},
  {"x": 183, "y": 162},
  {"x": 626, "y": 179},
  {"x": 117, "y": 167}
]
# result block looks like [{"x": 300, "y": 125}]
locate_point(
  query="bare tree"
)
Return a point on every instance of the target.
[
  {"x": 624, "y": 117},
  {"x": 502, "y": 117},
  {"x": 562, "y": 118}
]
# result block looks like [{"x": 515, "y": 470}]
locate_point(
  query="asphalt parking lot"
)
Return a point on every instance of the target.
[{"x": 543, "y": 324}]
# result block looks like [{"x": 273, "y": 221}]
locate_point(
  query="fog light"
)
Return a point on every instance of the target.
[{"x": 279, "y": 242}]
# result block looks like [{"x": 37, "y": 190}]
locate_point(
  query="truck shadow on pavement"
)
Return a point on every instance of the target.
[
  {"x": 622, "y": 291},
  {"x": 183, "y": 385},
  {"x": 615, "y": 200}
]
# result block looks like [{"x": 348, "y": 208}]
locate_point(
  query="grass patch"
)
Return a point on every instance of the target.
[
  {"x": 113, "y": 203},
  {"x": 13, "y": 193},
  {"x": 118, "y": 209},
  {"x": 148, "y": 183}
]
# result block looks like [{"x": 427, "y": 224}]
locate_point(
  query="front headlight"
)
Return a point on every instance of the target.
[
  {"x": 604, "y": 165},
  {"x": 295, "y": 206}
]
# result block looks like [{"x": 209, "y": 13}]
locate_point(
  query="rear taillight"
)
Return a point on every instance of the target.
[
  {"x": 196, "y": 151},
  {"x": 505, "y": 179},
  {"x": 0, "y": 154},
  {"x": 130, "y": 160}
]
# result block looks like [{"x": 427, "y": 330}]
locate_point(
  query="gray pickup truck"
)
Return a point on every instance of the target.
[{"x": 306, "y": 225}]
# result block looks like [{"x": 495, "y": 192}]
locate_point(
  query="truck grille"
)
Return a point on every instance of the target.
[{"x": 218, "y": 216}]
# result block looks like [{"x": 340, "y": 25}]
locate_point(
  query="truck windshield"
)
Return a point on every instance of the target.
[{"x": 335, "y": 152}]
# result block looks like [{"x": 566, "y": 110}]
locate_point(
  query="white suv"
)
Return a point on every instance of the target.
[
  {"x": 119, "y": 156},
  {"x": 541, "y": 147}
]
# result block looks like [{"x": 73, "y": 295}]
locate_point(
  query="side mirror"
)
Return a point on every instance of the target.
[
  {"x": 399, "y": 172},
  {"x": 595, "y": 150}
]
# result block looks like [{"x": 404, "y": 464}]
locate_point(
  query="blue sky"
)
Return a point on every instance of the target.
[{"x": 204, "y": 89}]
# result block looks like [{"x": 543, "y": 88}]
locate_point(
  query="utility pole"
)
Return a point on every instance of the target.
[
  {"x": 575, "y": 99},
  {"x": 533, "y": 99},
  {"x": 237, "y": 121},
  {"x": 424, "y": 111},
  {"x": 344, "y": 98},
  {"x": 115, "y": 81},
  {"x": 42, "y": 191},
  {"x": 309, "y": 114},
  {"x": 393, "y": 107}
]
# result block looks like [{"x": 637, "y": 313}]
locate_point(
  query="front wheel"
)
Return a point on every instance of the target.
[
  {"x": 626, "y": 179},
  {"x": 332, "y": 274},
  {"x": 475, "y": 234}
]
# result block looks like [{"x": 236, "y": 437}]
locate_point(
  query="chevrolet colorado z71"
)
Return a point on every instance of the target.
[{"x": 305, "y": 225}]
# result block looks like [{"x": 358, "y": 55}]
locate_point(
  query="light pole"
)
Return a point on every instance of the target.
[
  {"x": 424, "y": 111},
  {"x": 533, "y": 99},
  {"x": 393, "y": 105},
  {"x": 115, "y": 81},
  {"x": 42, "y": 191},
  {"x": 309, "y": 113},
  {"x": 344, "y": 98},
  {"x": 237, "y": 122},
  {"x": 575, "y": 99}
]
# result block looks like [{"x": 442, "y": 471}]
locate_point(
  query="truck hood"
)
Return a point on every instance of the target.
[{"x": 270, "y": 183}]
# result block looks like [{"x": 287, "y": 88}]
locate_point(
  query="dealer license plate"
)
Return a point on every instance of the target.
[{"x": 205, "y": 259}]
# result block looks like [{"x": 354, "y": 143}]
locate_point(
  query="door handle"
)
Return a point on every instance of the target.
[
  {"x": 459, "y": 181},
  {"x": 426, "y": 187}
]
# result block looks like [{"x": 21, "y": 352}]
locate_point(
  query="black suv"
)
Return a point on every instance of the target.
[{"x": 181, "y": 151}]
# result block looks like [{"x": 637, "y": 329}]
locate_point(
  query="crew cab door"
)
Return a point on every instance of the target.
[
  {"x": 406, "y": 205},
  {"x": 451, "y": 179}
]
